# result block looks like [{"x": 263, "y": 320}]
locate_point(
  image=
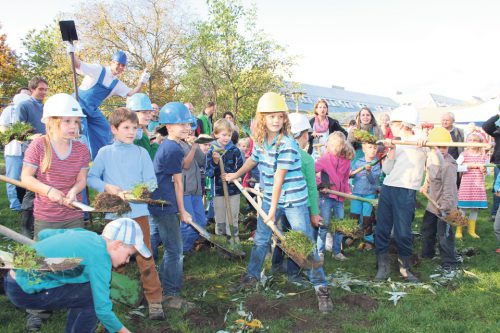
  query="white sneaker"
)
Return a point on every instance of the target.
[
  {"x": 340, "y": 257},
  {"x": 329, "y": 242}
]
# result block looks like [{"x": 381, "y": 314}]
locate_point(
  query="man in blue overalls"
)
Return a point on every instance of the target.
[{"x": 98, "y": 84}]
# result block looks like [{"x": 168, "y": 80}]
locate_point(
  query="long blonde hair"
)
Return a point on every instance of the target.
[
  {"x": 52, "y": 127},
  {"x": 337, "y": 145},
  {"x": 261, "y": 128}
]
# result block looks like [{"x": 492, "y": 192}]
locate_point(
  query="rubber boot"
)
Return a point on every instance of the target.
[
  {"x": 458, "y": 233},
  {"x": 404, "y": 269},
  {"x": 472, "y": 229},
  {"x": 383, "y": 267}
]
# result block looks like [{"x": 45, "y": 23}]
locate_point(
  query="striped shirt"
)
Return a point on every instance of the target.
[
  {"x": 61, "y": 175},
  {"x": 284, "y": 157}
]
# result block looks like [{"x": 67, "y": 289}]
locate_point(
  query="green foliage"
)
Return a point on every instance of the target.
[
  {"x": 141, "y": 191},
  {"x": 348, "y": 227},
  {"x": 299, "y": 243},
  {"x": 18, "y": 131},
  {"x": 229, "y": 61},
  {"x": 10, "y": 77},
  {"x": 363, "y": 136},
  {"x": 26, "y": 258}
]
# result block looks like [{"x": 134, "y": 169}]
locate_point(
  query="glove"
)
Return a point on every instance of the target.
[
  {"x": 70, "y": 48},
  {"x": 144, "y": 77}
]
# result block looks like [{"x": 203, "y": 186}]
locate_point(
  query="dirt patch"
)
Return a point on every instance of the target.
[
  {"x": 364, "y": 302},
  {"x": 210, "y": 316},
  {"x": 263, "y": 309}
]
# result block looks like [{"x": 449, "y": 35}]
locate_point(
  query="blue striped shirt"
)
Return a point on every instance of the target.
[{"x": 284, "y": 157}]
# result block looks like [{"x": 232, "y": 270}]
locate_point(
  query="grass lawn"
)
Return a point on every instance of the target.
[{"x": 469, "y": 302}]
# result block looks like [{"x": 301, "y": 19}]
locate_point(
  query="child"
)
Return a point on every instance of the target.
[
  {"x": 176, "y": 118},
  {"x": 472, "y": 191},
  {"x": 143, "y": 108},
  {"x": 404, "y": 168},
  {"x": 56, "y": 166},
  {"x": 84, "y": 292},
  {"x": 116, "y": 169},
  {"x": 285, "y": 190},
  {"x": 300, "y": 129},
  {"x": 244, "y": 146},
  {"x": 441, "y": 183},
  {"x": 336, "y": 164},
  {"x": 224, "y": 148},
  {"x": 365, "y": 184}
]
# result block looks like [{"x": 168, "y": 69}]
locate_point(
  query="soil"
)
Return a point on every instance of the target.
[
  {"x": 106, "y": 202},
  {"x": 263, "y": 309},
  {"x": 209, "y": 316},
  {"x": 364, "y": 302}
]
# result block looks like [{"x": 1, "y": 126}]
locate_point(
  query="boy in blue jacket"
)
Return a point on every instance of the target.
[
  {"x": 233, "y": 160},
  {"x": 168, "y": 164}
]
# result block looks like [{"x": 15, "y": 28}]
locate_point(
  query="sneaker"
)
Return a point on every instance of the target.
[
  {"x": 340, "y": 257},
  {"x": 246, "y": 282},
  {"x": 33, "y": 322},
  {"x": 176, "y": 302},
  {"x": 156, "y": 311},
  {"x": 325, "y": 304}
]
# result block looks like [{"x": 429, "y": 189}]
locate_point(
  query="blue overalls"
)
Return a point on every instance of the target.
[{"x": 96, "y": 126}]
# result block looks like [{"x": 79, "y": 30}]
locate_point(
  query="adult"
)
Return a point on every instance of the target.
[
  {"x": 365, "y": 120},
  {"x": 235, "y": 136},
  {"x": 322, "y": 126},
  {"x": 492, "y": 127},
  {"x": 13, "y": 152},
  {"x": 207, "y": 118},
  {"x": 98, "y": 84},
  {"x": 385, "y": 127},
  {"x": 457, "y": 134}
]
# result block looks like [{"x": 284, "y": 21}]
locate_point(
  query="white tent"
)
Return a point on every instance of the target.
[{"x": 477, "y": 113}]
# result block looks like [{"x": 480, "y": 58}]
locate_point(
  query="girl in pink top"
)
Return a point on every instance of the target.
[
  {"x": 55, "y": 166},
  {"x": 333, "y": 168}
]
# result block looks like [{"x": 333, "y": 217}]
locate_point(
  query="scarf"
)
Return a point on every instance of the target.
[{"x": 320, "y": 127}]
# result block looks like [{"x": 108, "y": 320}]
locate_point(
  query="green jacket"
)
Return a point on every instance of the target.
[
  {"x": 146, "y": 144},
  {"x": 207, "y": 124},
  {"x": 308, "y": 171}
]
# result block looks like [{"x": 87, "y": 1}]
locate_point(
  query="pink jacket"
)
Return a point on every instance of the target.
[{"x": 337, "y": 169}]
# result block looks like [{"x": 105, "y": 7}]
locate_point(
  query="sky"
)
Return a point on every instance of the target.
[{"x": 372, "y": 46}]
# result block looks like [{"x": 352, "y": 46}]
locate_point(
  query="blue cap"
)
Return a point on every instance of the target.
[{"x": 120, "y": 57}]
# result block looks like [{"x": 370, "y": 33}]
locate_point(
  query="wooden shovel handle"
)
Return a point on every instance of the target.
[
  {"x": 432, "y": 201},
  {"x": 437, "y": 144},
  {"x": 374, "y": 202},
  {"x": 259, "y": 210}
]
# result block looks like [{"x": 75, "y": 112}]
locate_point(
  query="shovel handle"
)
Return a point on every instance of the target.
[
  {"x": 373, "y": 163},
  {"x": 437, "y": 144},
  {"x": 15, "y": 236},
  {"x": 432, "y": 201},
  {"x": 259, "y": 210},
  {"x": 374, "y": 202}
]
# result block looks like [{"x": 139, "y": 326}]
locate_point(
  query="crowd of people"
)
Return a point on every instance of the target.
[{"x": 188, "y": 159}]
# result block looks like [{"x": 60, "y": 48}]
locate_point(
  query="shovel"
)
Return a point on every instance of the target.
[
  {"x": 17, "y": 183},
  {"x": 229, "y": 211},
  {"x": 373, "y": 163},
  {"x": 455, "y": 218},
  {"x": 211, "y": 238},
  {"x": 48, "y": 264},
  {"x": 306, "y": 263},
  {"x": 373, "y": 202},
  {"x": 436, "y": 144}
]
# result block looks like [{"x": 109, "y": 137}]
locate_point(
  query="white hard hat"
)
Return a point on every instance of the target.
[
  {"x": 406, "y": 113},
  {"x": 61, "y": 105},
  {"x": 299, "y": 123},
  {"x": 21, "y": 97}
]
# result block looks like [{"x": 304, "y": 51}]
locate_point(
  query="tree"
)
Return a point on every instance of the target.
[
  {"x": 10, "y": 78},
  {"x": 230, "y": 67},
  {"x": 147, "y": 30}
]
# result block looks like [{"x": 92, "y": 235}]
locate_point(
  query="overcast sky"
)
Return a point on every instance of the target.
[{"x": 442, "y": 46}]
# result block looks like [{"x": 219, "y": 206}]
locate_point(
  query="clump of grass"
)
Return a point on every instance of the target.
[
  {"x": 225, "y": 243},
  {"x": 26, "y": 258},
  {"x": 111, "y": 203},
  {"x": 299, "y": 243},
  {"x": 141, "y": 191},
  {"x": 363, "y": 136},
  {"x": 18, "y": 131},
  {"x": 456, "y": 219},
  {"x": 347, "y": 227}
]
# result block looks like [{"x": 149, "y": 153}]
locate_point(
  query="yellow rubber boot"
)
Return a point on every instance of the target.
[
  {"x": 458, "y": 233},
  {"x": 472, "y": 229}
]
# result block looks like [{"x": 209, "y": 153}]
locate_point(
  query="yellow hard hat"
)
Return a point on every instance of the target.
[
  {"x": 272, "y": 102},
  {"x": 439, "y": 134}
]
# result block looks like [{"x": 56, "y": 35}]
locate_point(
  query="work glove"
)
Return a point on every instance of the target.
[
  {"x": 70, "y": 48},
  {"x": 144, "y": 77}
]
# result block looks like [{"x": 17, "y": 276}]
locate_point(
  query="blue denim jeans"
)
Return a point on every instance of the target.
[
  {"x": 13, "y": 166},
  {"x": 171, "y": 266},
  {"x": 326, "y": 205},
  {"x": 77, "y": 298},
  {"x": 396, "y": 208},
  {"x": 299, "y": 219},
  {"x": 292, "y": 269},
  {"x": 194, "y": 206},
  {"x": 154, "y": 236}
]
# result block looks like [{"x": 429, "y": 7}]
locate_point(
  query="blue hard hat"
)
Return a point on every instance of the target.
[
  {"x": 120, "y": 57},
  {"x": 174, "y": 113},
  {"x": 139, "y": 102}
]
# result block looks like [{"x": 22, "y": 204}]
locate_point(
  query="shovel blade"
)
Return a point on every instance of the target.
[{"x": 82, "y": 206}]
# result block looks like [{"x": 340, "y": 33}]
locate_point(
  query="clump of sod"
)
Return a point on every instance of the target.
[
  {"x": 141, "y": 191},
  {"x": 26, "y": 258},
  {"x": 296, "y": 242},
  {"x": 347, "y": 227},
  {"x": 222, "y": 241},
  {"x": 456, "y": 219},
  {"x": 18, "y": 131},
  {"x": 105, "y": 202},
  {"x": 363, "y": 136}
]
